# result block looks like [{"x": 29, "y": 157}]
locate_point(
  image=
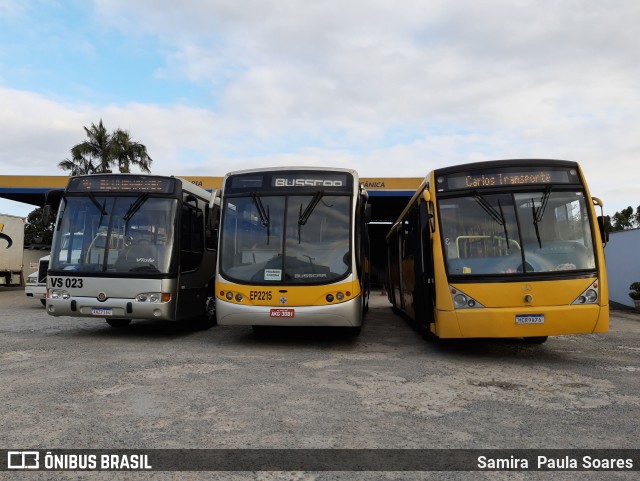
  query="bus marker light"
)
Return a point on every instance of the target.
[{"x": 166, "y": 296}]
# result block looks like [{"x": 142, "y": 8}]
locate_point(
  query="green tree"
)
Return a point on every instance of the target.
[
  {"x": 127, "y": 152},
  {"x": 102, "y": 151},
  {"x": 625, "y": 219},
  {"x": 35, "y": 232}
]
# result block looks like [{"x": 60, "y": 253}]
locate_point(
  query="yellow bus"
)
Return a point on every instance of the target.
[
  {"x": 293, "y": 248},
  {"x": 508, "y": 248}
]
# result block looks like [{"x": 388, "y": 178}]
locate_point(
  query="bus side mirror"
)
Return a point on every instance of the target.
[
  {"x": 367, "y": 213},
  {"x": 604, "y": 233},
  {"x": 46, "y": 215},
  {"x": 426, "y": 195},
  {"x": 52, "y": 200}
]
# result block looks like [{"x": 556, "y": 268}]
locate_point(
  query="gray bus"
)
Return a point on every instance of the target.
[{"x": 130, "y": 246}]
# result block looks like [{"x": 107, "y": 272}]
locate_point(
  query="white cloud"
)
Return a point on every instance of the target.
[{"x": 386, "y": 88}]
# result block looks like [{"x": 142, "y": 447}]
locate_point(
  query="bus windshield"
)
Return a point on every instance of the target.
[
  {"x": 516, "y": 233},
  {"x": 132, "y": 234},
  {"x": 295, "y": 239}
]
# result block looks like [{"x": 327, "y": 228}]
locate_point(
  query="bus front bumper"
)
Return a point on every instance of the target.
[
  {"x": 347, "y": 314},
  {"x": 110, "y": 309},
  {"x": 501, "y": 322}
]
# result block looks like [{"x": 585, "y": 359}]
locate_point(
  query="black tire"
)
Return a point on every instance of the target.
[
  {"x": 260, "y": 329},
  {"x": 427, "y": 335},
  {"x": 206, "y": 320},
  {"x": 119, "y": 323},
  {"x": 535, "y": 339},
  {"x": 43, "y": 302}
]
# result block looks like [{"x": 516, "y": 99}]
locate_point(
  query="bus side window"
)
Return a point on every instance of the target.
[{"x": 191, "y": 238}]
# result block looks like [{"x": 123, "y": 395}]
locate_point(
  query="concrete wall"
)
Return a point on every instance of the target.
[{"x": 623, "y": 264}]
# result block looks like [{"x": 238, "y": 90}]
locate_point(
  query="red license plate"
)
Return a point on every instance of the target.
[{"x": 282, "y": 313}]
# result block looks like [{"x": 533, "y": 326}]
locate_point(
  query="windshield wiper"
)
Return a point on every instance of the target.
[
  {"x": 304, "y": 216},
  {"x": 96, "y": 203},
  {"x": 497, "y": 216},
  {"x": 135, "y": 207},
  {"x": 539, "y": 212},
  {"x": 264, "y": 214}
]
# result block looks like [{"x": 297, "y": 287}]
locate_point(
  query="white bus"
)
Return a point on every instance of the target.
[
  {"x": 293, "y": 248},
  {"x": 129, "y": 246}
]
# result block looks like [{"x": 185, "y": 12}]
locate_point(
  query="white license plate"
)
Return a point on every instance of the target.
[
  {"x": 282, "y": 313},
  {"x": 530, "y": 319},
  {"x": 102, "y": 311}
]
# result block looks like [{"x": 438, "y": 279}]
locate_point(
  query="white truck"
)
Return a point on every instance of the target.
[
  {"x": 11, "y": 249},
  {"x": 36, "y": 284}
]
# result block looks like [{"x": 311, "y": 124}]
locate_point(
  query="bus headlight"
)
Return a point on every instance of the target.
[
  {"x": 154, "y": 297},
  {"x": 462, "y": 300},
  {"x": 589, "y": 296},
  {"x": 60, "y": 294}
]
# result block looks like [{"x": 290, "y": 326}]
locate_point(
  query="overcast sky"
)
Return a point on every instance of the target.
[{"x": 385, "y": 87}]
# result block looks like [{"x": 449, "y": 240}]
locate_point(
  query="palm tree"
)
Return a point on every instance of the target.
[
  {"x": 78, "y": 165},
  {"x": 102, "y": 150},
  {"x": 127, "y": 152}
]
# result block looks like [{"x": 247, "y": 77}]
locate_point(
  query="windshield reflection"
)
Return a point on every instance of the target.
[
  {"x": 305, "y": 240},
  {"x": 533, "y": 232},
  {"x": 114, "y": 234}
]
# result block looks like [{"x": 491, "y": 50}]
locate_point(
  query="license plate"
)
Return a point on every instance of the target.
[
  {"x": 282, "y": 313},
  {"x": 101, "y": 311},
  {"x": 530, "y": 319}
]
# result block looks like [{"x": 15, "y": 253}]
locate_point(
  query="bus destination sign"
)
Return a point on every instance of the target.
[
  {"x": 121, "y": 183},
  {"x": 508, "y": 177},
  {"x": 289, "y": 181}
]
